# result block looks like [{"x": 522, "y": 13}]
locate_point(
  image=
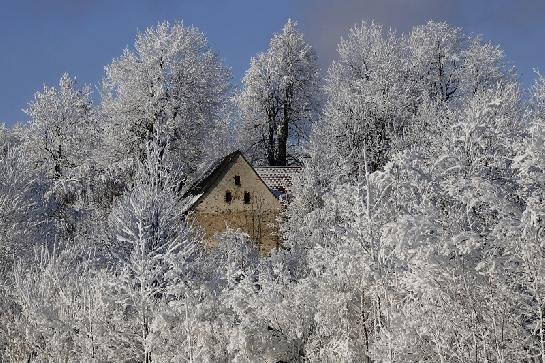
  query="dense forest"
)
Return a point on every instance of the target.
[{"x": 415, "y": 234}]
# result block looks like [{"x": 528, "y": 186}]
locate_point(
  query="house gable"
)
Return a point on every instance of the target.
[
  {"x": 213, "y": 198},
  {"x": 231, "y": 194}
]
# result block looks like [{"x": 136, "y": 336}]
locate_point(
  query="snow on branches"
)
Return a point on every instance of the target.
[{"x": 415, "y": 233}]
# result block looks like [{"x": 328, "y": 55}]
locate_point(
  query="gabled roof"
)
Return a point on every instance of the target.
[
  {"x": 207, "y": 179},
  {"x": 200, "y": 185},
  {"x": 211, "y": 174}
]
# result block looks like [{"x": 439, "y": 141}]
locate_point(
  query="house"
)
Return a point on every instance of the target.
[{"x": 232, "y": 194}]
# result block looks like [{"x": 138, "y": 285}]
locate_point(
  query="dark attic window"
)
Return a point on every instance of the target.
[
  {"x": 246, "y": 197},
  {"x": 228, "y": 197},
  {"x": 237, "y": 180}
]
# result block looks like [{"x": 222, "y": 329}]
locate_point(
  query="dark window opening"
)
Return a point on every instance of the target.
[
  {"x": 246, "y": 197},
  {"x": 237, "y": 179},
  {"x": 228, "y": 197}
]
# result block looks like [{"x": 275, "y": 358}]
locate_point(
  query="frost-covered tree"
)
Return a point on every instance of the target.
[
  {"x": 21, "y": 209},
  {"x": 73, "y": 306},
  {"x": 423, "y": 228},
  {"x": 448, "y": 64},
  {"x": 23, "y": 225},
  {"x": 366, "y": 95},
  {"x": 465, "y": 196},
  {"x": 412, "y": 163},
  {"x": 171, "y": 80},
  {"x": 60, "y": 140},
  {"x": 525, "y": 251},
  {"x": 530, "y": 162},
  {"x": 62, "y": 127},
  {"x": 416, "y": 232},
  {"x": 381, "y": 99},
  {"x": 280, "y": 99},
  {"x": 151, "y": 243},
  {"x": 61, "y": 310},
  {"x": 383, "y": 85}
]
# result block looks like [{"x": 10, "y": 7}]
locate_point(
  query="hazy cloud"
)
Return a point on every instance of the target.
[{"x": 324, "y": 21}]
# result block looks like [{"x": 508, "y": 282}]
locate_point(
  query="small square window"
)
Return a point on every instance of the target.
[
  {"x": 237, "y": 180},
  {"x": 246, "y": 197},
  {"x": 228, "y": 197}
]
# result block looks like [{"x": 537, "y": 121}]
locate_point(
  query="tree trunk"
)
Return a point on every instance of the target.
[
  {"x": 270, "y": 142},
  {"x": 282, "y": 148},
  {"x": 281, "y": 159}
]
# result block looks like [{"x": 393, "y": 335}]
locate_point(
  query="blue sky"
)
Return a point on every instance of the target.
[{"x": 41, "y": 39}]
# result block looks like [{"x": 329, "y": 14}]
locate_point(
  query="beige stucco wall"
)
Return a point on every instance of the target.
[{"x": 258, "y": 218}]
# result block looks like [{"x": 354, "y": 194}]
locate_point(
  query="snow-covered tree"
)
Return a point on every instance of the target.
[
  {"x": 62, "y": 127},
  {"x": 21, "y": 209},
  {"x": 61, "y": 312},
  {"x": 416, "y": 232},
  {"x": 414, "y": 166},
  {"x": 171, "y": 80},
  {"x": 447, "y": 64},
  {"x": 73, "y": 306},
  {"x": 22, "y": 226},
  {"x": 60, "y": 140},
  {"x": 525, "y": 251},
  {"x": 383, "y": 85},
  {"x": 280, "y": 99},
  {"x": 151, "y": 242}
]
